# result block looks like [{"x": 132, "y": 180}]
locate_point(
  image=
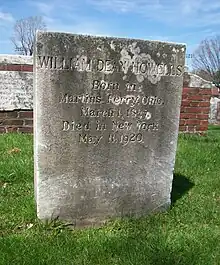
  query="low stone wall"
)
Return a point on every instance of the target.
[
  {"x": 16, "y": 83},
  {"x": 16, "y": 94},
  {"x": 16, "y": 98},
  {"x": 214, "y": 115}
]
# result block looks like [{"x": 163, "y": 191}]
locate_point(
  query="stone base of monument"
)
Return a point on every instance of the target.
[
  {"x": 106, "y": 118},
  {"x": 99, "y": 221},
  {"x": 95, "y": 217}
]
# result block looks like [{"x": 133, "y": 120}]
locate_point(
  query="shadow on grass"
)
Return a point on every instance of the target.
[
  {"x": 214, "y": 128},
  {"x": 121, "y": 247},
  {"x": 181, "y": 185}
]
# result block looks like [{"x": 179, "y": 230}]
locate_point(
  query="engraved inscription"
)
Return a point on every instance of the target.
[
  {"x": 121, "y": 125},
  {"x": 138, "y": 114},
  {"x": 133, "y": 100},
  {"x": 110, "y": 111},
  {"x": 147, "y": 127},
  {"x": 125, "y": 139},
  {"x": 131, "y": 61},
  {"x": 100, "y": 126},
  {"x": 97, "y": 113},
  {"x": 114, "y": 99},
  {"x": 89, "y": 139},
  {"x": 74, "y": 126},
  {"x": 103, "y": 85},
  {"x": 84, "y": 64},
  {"x": 84, "y": 98},
  {"x": 109, "y": 116}
]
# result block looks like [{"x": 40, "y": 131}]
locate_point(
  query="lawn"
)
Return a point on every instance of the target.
[{"x": 188, "y": 234}]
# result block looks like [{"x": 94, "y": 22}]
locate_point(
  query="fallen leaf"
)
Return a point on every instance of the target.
[
  {"x": 14, "y": 150},
  {"x": 4, "y": 185},
  {"x": 29, "y": 226}
]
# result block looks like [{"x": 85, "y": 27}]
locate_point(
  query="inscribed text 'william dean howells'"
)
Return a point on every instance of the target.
[{"x": 84, "y": 64}]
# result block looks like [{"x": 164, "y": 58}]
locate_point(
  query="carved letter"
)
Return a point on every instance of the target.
[
  {"x": 66, "y": 126},
  {"x": 44, "y": 61},
  {"x": 84, "y": 111},
  {"x": 64, "y": 98},
  {"x": 100, "y": 65},
  {"x": 83, "y": 139},
  {"x": 95, "y": 85},
  {"x": 179, "y": 70}
]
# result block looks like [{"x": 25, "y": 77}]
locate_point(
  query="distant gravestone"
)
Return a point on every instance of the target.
[{"x": 106, "y": 125}]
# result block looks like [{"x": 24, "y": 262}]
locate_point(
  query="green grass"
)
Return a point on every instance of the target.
[{"x": 189, "y": 233}]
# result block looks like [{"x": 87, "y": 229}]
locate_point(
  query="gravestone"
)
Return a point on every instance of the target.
[{"x": 106, "y": 125}]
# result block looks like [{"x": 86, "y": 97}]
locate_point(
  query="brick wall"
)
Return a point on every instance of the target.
[
  {"x": 194, "y": 113},
  {"x": 16, "y": 121},
  {"x": 195, "y": 107},
  {"x": 16, "y": 67}
]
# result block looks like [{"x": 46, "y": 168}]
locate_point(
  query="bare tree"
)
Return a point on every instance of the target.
[
  {"x": 203, "y": 74},
  {"x": 206, "y": 59},
  {"x": 24, "y": 34}
]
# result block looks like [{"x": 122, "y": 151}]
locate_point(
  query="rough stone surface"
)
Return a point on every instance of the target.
[
  {"x": 16, "y": 59},
  {"x": 106, "y": 125},
  {"x": 192, "y": 80},
  {"x": 214, "y": 114},
  {"x": 16, "y": 90}
]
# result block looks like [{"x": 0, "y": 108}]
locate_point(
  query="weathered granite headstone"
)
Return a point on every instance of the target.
[{"x": 106, "y": 125}]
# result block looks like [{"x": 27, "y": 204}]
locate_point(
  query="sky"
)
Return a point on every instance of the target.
[{"x": 181, "y": 21}]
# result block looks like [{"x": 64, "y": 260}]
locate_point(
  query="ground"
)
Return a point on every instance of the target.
[{"x": 186, "y": 234}]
